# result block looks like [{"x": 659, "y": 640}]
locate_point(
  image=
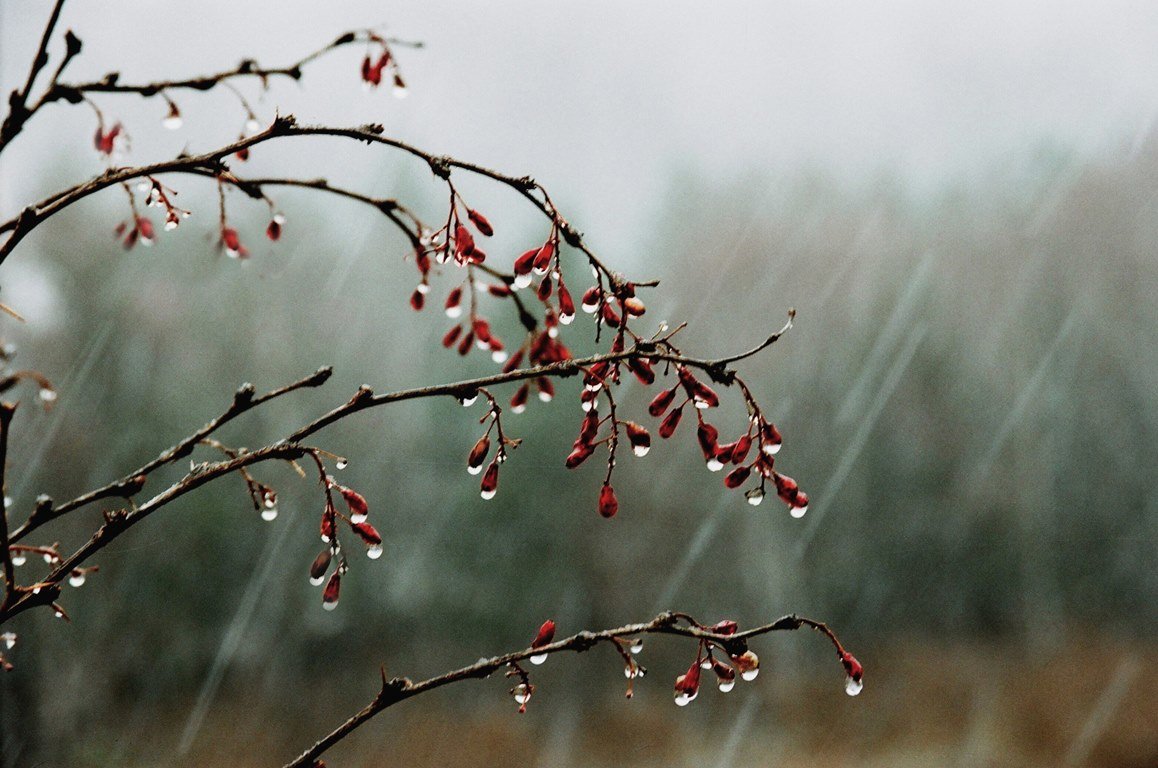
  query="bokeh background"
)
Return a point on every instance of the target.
[{"x": 961, "y": 202}]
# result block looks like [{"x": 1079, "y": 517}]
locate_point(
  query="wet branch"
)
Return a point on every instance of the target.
[{"x": 398, "y": 689}]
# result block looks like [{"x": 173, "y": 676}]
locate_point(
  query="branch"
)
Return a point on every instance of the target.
[
  {"x": 212, "y": 163},
  {"x": 396, "y": 690},
  {"x": 6, "y": 412},
  {"x": 18, "y": 111},
  {"x": 133, "y": 482}
]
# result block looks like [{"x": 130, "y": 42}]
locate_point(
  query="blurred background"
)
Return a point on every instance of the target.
[{"x": 961, "y": 202}]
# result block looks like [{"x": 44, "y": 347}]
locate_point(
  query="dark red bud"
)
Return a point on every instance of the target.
[
  {"x": 480, "y": 222},
  {"x": 355, "y": 501},
  {"x": 668, "y": 426},
  {"x": 633, "y": 306},
  {"x": 708, "y": 436},
  {"x": 490, "y": 480},
  {"x": 642, "y": 369},
  {"x": 367, "y": 533},
  {"x": 660, "y": 402},
  {"x": 321, "y": 564},
  {"x": 333, "y": 589},
  {"x": 451, "y": 336},
  {"x": 580, "y": 452},
  {"x": 525, "y": 263},
  {"x": 608, "y": 504},
  {"x": 478, "y": 454},
  {"x": 741, "y": 448},
  {"x": 737, "y": 477},
  {"x": 545, "y": 636},
  {"x": 417, "y": 300}
]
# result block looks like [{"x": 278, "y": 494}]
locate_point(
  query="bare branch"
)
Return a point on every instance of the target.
[{"x": 18, "y": 111}]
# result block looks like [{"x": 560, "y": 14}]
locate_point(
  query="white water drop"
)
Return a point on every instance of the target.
[
  {"x": 545, "y": 397},
  {"x": 172, "y": 122},
  {"x": 715, "y": 465},
  {"x": 488, "y": 495},
  {"x": 341, "y": 463},
  {"x": 47, "y": 395},
  {"x": 58, "y": 614},
  {"x": 518, "y": 408},
  {"x": 454, "y": 312},
  {"x": 358, "y": 517},
  {"x": 553, "y": 332},
  {"x": 521, "y": 695},
  {"x": 567, "y": 319},
  {"x": 19, "y": 558},
  {"x": 374, "y": 551},
  {"x": 771, "y": 448},
  {"x": 474, "y": 470},
  {"x": 400, "y": 92},
  {"x": 329, "y": 606},
  {"x": 589, "y": 308},
  {"x": 171, "y": 224},
  {"x": 683, "y": 699},
  {"x": 499, "y": 356},
  {"x": 7, "y": 502},
  {"x": 637, "y": 645},
  {"x": 538, "y": 658},
  {"x": 49, "y": 558},
  {"x": 727, "y": 685},
  {"x": 853, "y": 687},
  {"x": 755, "y": 496},
  {"x": 269, "y": 514},
  {"x": 317, "y": 580},
  {"x": 641, "y": 450},
  {"x": 252, "y": 126},
  {"x": 750, "y": 674},
  {"x": 9, "y": 639},
  {"x": 467, "y": 402},
  {"x": 798, "y": 512},
  {"x": 702, "y": 404},
  {"x": 522, "y": 281},
  {"x": 706, "y": 664},
  {"x": 76, "y": 580}
]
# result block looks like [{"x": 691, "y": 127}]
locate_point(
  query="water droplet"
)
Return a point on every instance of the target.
[
  {"x": 317, "y": 580},
  {"x": 538, "y": 658},
  {"x": 172, "y": 122},
  {"x": 454, "y": 312},
  {"x": 76, "y": 579},
  {"x": 36, "y": 590},
  {"x": 637, "y": 645},
  {"x": 269, "y": 514},
  {"x": 706, "y": 664},
  {"x": 341, "y": 463},
  {"x": 714, "y": 465},
  {"x": 358, "y": 517},
  {"x": 467, "y": 402},
  {"x": 798, "y": 512},
  {"x": 252, "y": 126},
  {"x": 499, "y": 356},
  {"x": 330, "y": 606},
  {"x": 683, "y": 699},
  {"x": 58, "y": 614},
  {"x": 19, "y": 558},
  {"x": 171, "y": 224},
  {"x": 9, "y": 639},
  {"x": 518, "y": 408},
  {"x": 49, "y": 558},
  {"x": 702, "y": 404},
  {"x": 270, "y": 500},
  {"x": 522, "y": 281},
  {"x": 567, "y": 319},
  {"x": 7, "y": 502},
  {"x": 521, "y": 694},
  {"x": 771, "y": 448},
  {"x": 488, "y": 495},
  {"x": 589, "y": 308},
  {"x": 755, "y": 496},
  {"x": 545, "y": 397},
  {"x": 474, "y": 470},
  {"x": 750, "y": 674},
  {"x": 374, "y": 551},
  {"x": 641, "y": 450},
  {"x": 587, "y": 405},
  {"x": 400, "y": 92},
  {"x": 325, "y": 538},
  {"x": 553, "y": 332},
  {"x": 853, "y": 687},
  {"x": 47, "y": 395},
  {"x": 727, "y": 685},
  {"x": 279, "y": 218}
]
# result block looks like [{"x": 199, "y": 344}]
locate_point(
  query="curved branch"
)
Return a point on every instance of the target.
[
  {"x": 212, "y": 163},
  {"x": 18, "y": 111},
  {"x": 397, "y": 690}
]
